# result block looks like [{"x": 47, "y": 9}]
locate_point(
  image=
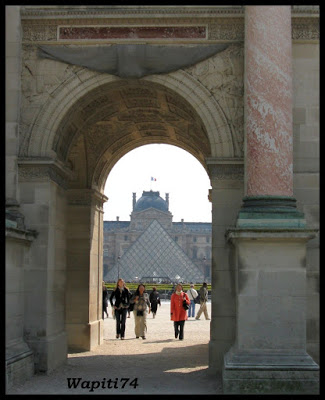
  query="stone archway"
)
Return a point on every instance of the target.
[
  {"x": 86, "y": 126},
  {"x": 43, "y": 136},
  {"x": 61, "y": 198}
]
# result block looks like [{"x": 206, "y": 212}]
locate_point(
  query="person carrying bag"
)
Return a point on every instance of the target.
[
  {"x": 140, "y": 299},
  {"x": 192, "y": 295},
  {"x": 178, "y": 313}
]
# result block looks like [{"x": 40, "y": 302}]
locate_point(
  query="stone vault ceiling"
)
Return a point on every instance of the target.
[{"x": 110, "y": 121}]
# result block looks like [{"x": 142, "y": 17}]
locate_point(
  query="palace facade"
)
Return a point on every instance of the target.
[{"x": 187, "y": 254}]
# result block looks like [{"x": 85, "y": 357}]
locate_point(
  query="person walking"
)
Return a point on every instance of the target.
[
  {"x": 130, "y": 308},
  {"x": 177, "y": 312},
  {"x": 140, "y": 299},
  {"x": 122, "y": 301},
  {"x": 154, "y": 301},
  {"x": 105, "y": 300},
  {"x": 203, "y": 302},
  {"x": 192, "y": 295}
]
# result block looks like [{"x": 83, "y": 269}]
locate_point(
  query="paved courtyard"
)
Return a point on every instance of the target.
[{"x": 160, "y": 364}]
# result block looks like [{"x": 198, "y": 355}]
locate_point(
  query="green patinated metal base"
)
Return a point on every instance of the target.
[{"x": 269, "y": 212}]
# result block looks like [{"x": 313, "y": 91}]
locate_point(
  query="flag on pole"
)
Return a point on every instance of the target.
[{"x": 153, "y": 179}]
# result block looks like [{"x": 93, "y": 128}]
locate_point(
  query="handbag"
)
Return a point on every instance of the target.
[{"x": 185, "y": 305}]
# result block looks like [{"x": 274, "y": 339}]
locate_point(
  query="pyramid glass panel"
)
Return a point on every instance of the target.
[{"x": 155, "y": 255}]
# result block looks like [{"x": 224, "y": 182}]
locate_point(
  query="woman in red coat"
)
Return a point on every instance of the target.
[{"x": 177, "y": 312}]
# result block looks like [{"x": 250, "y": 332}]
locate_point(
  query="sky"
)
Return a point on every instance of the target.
[{"x": 176, "y": 171}]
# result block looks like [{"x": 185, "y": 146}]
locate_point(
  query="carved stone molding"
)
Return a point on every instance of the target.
[
  {"x": 20, "y": 235},
  {"x": 226, "y": 169},
  {"x": 224, "y": 23},
  {"x": 65, "y": 12},
  {"x": 86, "y": 197},
  {"x": 223, "y": 76},
  {"x": 128, "y": 11},
  {"x": 306, "y": 10},
  {"x": 305, "y": 29},
  {"x": 230, "y": 29},
  {"x": 42, "y": 171},
  {"x": 39, "y": 32}
]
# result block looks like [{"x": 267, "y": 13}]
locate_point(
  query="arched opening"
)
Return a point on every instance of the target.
[
  {"x": 126, "y": 240},
  {"x": 166, "y": 184},
  {"x": 96, "y": 132},
  {"x": 89, "y": 129}
]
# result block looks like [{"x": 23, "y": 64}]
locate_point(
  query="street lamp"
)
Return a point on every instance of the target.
[
  {"x": 118, "y": 267},
  {"x": 204, "y": 267}
]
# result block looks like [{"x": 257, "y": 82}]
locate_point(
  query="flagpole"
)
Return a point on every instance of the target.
[{"x": 152, "y": 180}]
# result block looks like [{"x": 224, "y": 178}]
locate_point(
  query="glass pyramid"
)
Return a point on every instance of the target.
[{"x": 155, "y": 255}]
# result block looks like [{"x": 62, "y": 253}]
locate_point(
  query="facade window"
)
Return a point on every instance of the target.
[
  {"x": 195, "y": 253},
  {"x": 125, "y": 237},
  {"x": 208, "y": 239},
  {"x": 176, "y": 239},
  {"x": 194, "y": 239}
]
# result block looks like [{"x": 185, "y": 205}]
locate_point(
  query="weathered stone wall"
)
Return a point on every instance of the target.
[
  {"x": 227, "y": 181},
  {"x": 19, "y": 357},
  {"x": 43, "y": 203},
  {"x": 84, "y": 273},
  {"x": 13, "y": 94},
  {"x": 306, "y": 170}
]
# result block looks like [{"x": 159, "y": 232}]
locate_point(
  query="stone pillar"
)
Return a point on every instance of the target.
[
  {"x": 227, "y": 181},
  {"x": 84, "y": 322},
  {"x": 13, "y": 73},
  {"x": 268, "y": 92},
  {"x": 269, "y": 354},
  {"x": 43, "y": 202},
  {"x": 13, "y": 95},
  {"x": 19, "y": 356},
  {"x": 268, "y": 116}
]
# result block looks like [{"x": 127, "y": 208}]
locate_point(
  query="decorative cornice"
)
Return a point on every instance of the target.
[
  {"x": 219, "y": 29},
  {"x": 305, "y": 11},
  {"x": 86, "y": 197},
  {"x": 64, "y": 12},
  {"x": 305, "y": 29},
  {"x": 226, "y": 169},
  {"x": 21, "y": 235},
  {"x": 30, "y": 169},
  {"x": 128, "y": 11},
  {"x": 263, "y": 233}
]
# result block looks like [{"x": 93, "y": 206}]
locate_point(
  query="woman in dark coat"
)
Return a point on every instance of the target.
[
  {"x": 122, "y": 302},
  {"x": 154, "y": 301}
]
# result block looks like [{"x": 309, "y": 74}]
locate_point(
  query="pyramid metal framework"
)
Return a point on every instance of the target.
[{"x": 155, "y": 254}]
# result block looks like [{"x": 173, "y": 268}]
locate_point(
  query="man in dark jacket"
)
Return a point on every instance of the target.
[
  {"x": 203, "y": 301},
  {"x": 154, "y": 301}
]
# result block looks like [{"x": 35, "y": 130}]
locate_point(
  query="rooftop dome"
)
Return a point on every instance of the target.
[{"x": 151, "y": 200}]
